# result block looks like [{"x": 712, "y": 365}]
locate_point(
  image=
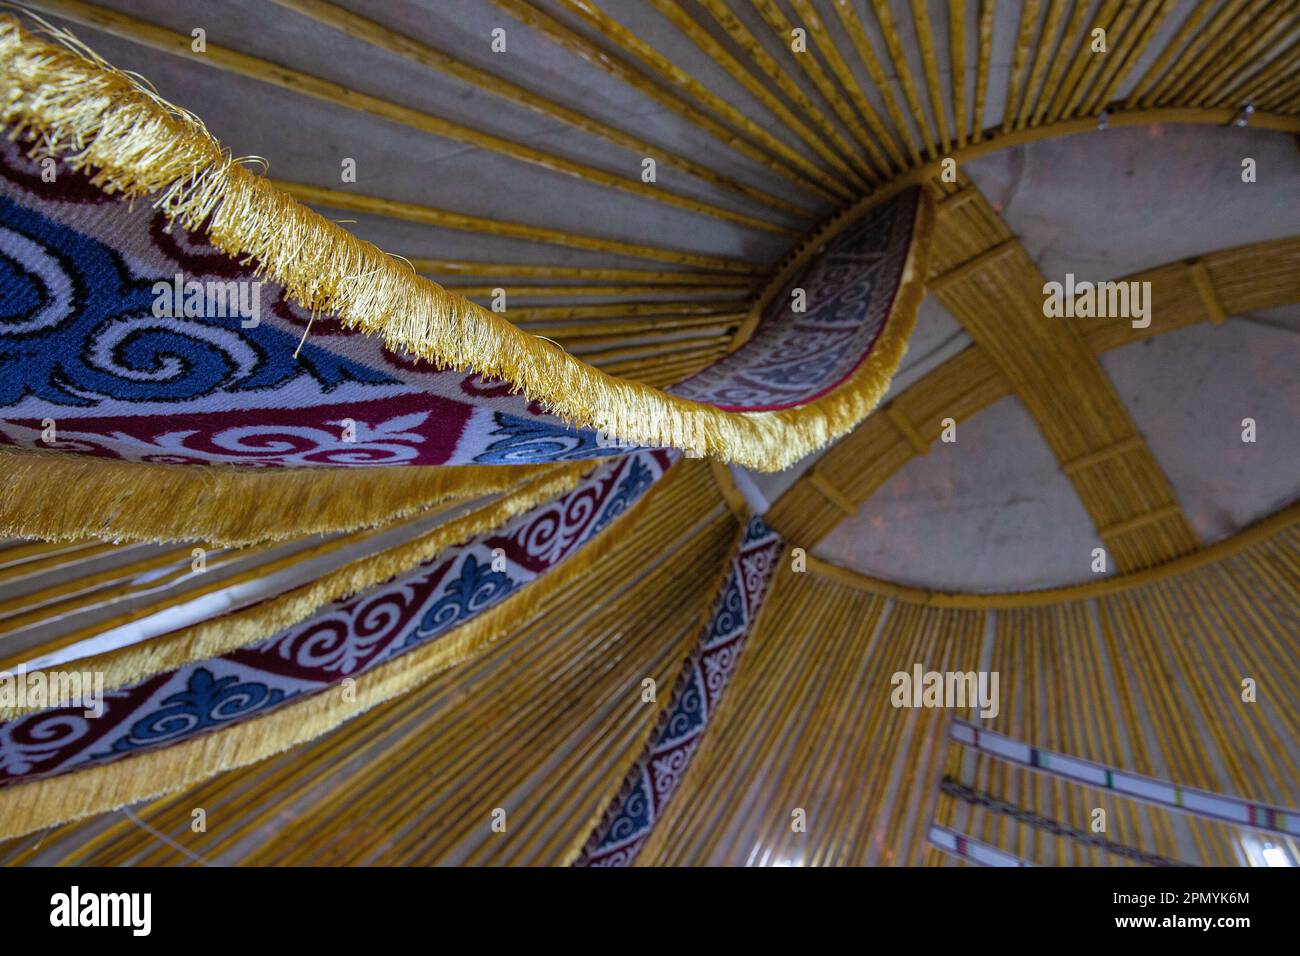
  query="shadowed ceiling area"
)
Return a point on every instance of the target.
[{"x": 578, "y": 645}]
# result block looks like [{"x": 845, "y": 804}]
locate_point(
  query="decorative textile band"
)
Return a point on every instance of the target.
[
  {"x": 1201, "y": 803},
  {"x": 412, "y": 613},
  {"x": 170, "y": 332},
  {"x": 238, "y": 626},
  {"x": 653, "y": 779},
  {"x": 972, "y": 851}
]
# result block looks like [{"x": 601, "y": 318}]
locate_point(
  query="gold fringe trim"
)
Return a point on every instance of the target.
[
  {"x": 71, "y": 796},
  {"x": 222, "y": 505},
  {"x": 132, "y": 143},
  {"x": 219, "y": 635}
]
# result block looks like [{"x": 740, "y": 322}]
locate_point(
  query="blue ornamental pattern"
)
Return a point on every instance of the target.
[
  {"x": 208, "y": 695},
  {"x": 527, "y": 441},
  {"x": 634, "y": 815},
  {"x": 656, "y": 774},
  {"x": 633, "y": 486},
  {"x": 757, "y": 530},
  {"x": 729, "y": 618},
  {"x": 76, "y": 327},
  {"x": 474, "y": 589},
  {"x": 207, "y": 702},
  {"x": 688, "y": 712},
  {"x": 791, "y": 357}
]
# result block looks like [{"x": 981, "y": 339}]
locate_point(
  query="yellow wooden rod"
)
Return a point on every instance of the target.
[
  {"x": 895, "y": 49},
  {"x": 1078, "y": 646},
  {"x": 550, "y": 313},
  {"x": 957, "y": 57},
  {"x": 144, "y": 610},
  {"x": 866, "y": 53},
  {"x": 1130, "y": 49},
  {"x": 1197, "y": 46},
  {"x": 1120, "y": 32},
  {"x": 782, "y": 28},
  {"x": 628, "y": 41},
  {"x": 88, "y": 590},
  {"x": 982, "y": 68},
  {"x": 662, "y": 361},
  {"x": 146, "y": 34},
  {"x": 1139, "y": 521},
  {"x": 1043, "y": 55},
  {"x": 17, "y": 550},
  {"x": 988, "y": 141},
  {"x": 1156, "y": 610},
  {"x": 589, "y": 291},
  {"x": 243, "y": 803},
  {"x": 619, "y": 330},
  {"x": 453, "y": 267},
  {"x": 909, "y": 639},
  {"x": 848, "y": 83},
  {"x": 1140, "y": 95},
  {"x": 382, "y": 723},
  {"x": 63, "y": 552},
  {"x": 1243, "y": 49},
  {"x": 1130, "y": 443},
  {"x": 809, "y": 177},
  {"x": 14, "y": 620},
  {"x": 1060, "y": 61},
  {"x": 503, "y": 756},
  {"x": 691, "y": 345},
  {"x": 1283, "y": 96},
  {"x": 1282, "y": 66},
  {"x": 679, "y": 18},
  {"x": 378, "y": 35},
  {"x": 411, "y": 212},
  {"x": 930, "y": 65},
  {"x": 1082, "y": 62},
  {"x": 857, "y": 731},
  {"x": 906, "y": 429},
  {"x": 972, "y": 266},
  {"x": 762, "y": 63},
  {"x": 750, "y": 756},
  {"x": 665, "y": 374},
  {"x": 831, "y": 493},
  {"x": 665, "y": 664},
  {"x": 1073, "y": 54},
  {"x": 678, "y": 827},
  {"x": 806, "y": 757}
]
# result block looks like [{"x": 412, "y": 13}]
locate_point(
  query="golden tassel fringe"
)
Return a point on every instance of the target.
[
  {"x": 42, "y": 803},
  {"x": 221, "y": 505},
  {"x": 133, "y": 144},
  {"x": 222, "y": 634}
]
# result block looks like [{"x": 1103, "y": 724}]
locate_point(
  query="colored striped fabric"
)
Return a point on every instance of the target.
[
  {"x": 1147, "y": 789},
  {"x": 654, "y": 778}
]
